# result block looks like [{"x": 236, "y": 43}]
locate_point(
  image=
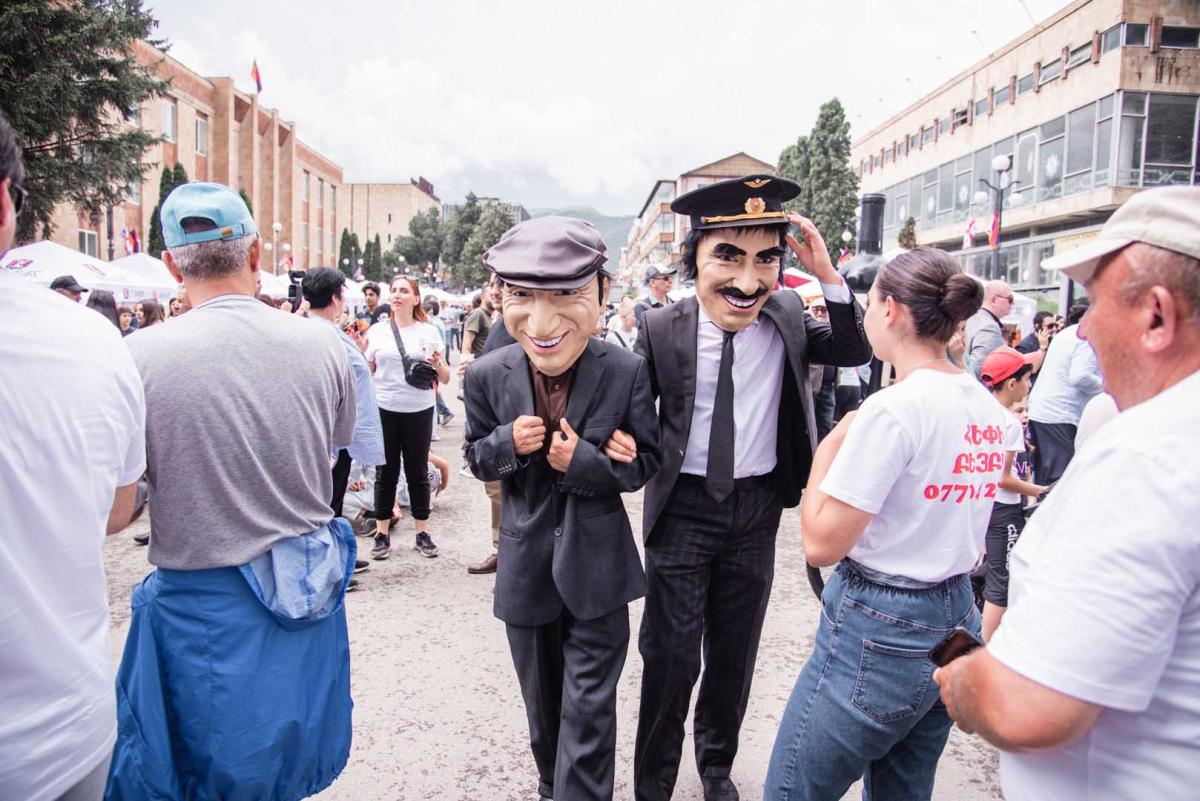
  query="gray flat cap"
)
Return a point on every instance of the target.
[{"x": 548, "y": 253}]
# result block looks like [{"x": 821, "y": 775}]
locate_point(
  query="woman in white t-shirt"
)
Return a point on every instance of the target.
[
  {"x": 899, "y": 498},
  {"x": 405, "y": 410}
]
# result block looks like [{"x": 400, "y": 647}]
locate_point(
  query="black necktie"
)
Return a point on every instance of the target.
[{"x": 718, "y": 482}]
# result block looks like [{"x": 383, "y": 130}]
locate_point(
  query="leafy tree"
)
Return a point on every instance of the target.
[
  {"x": 456, "y": 230},
  {"x": 166, "y": 185},
  {"x": 349, "y": 252},
  {"x": 907, "y": 238},
  {"x": 246, "y": 199},
  {"x": 794, "y": 164},
  {"x": 493, "y": 222},
  {"x": 423, "y": 245},
  {"x": 373, "y": 261},
  {"x": 820, "y": 163},
  {"x": 72, "y": 88}
]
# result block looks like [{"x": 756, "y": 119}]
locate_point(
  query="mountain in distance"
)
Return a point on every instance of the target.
[{"x": 614, "y": 230}]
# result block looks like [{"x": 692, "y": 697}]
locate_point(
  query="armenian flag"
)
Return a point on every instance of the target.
[
  {"x": 254, "y": 73},
  {"x": 994, "y": 233}
]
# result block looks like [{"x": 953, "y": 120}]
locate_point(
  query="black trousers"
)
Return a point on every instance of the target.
[
  {"x": 1054, "y": 448},
  {"x": 847, "y": 400},
  {"x": 709, "y": 567},
  {"x": 341, "y": 478},
  {"x": 568, "y": 671},
  {"x": 407, "y": 435},
  {"x": 825, "y": 404}
]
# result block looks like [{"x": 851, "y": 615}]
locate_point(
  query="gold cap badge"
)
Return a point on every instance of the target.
[
  {"x": 756, "y": 205},
  {"x": 758, "y": 183}
]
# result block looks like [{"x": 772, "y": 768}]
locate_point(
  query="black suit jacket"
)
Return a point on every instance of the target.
[
  {"x": 565, "y": 539},
  {"x": 668, "y": 343}
]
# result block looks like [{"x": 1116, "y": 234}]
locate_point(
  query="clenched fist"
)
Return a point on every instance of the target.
[
  {"x": 529, "y": 433},
  {"x": 562, "y": 447}
]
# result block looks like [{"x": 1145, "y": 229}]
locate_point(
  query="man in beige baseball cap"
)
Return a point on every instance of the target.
[{"x": 1101, "y": 641}]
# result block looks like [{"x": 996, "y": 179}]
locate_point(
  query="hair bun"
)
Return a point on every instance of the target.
[{"x": 962, "y": 296}]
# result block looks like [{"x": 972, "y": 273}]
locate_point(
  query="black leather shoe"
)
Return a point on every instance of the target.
[{"x": 719, "y": 788}]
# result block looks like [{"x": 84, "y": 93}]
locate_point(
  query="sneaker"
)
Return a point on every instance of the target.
[
  {"x": 383, "y": 547},
  {"x": 141, "y": 539},
  {"x": 436, "y": 437},
  {"x": 360, "y": 565},
  {"x": 425, "y": 545},
  {"x": 446, "y": 418},
  {"x": 465, "y": 471},
  {"x": 352, "y": 585}
]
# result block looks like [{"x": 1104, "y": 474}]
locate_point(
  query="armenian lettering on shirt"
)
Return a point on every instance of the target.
[{"x": 969, "y": 480}]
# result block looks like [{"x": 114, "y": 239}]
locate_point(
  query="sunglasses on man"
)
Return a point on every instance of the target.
[{"x": 19, "y": 195}]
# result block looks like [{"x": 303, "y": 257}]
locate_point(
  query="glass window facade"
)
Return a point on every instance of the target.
[
  {"x": 1136, "y": 34},
  {"x": 1179, "y": 36},
  {"x": 1126, "y": 139},
  {"x": 1024, "y": 84},
  {"x": 1080, "y": 55},
  {"x": 1001, "y": 98},
  {"x": 981, "y": 107},
  {"x": 1051, "y": 71}
]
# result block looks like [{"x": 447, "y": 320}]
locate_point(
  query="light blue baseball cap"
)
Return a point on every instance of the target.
[{"x": 216, "y": 203}]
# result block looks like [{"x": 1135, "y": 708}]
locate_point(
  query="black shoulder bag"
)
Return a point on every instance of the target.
[{"x": 419, "y": 374}]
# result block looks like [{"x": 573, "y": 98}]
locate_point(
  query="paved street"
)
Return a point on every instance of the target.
[{"x": 437, "y": 710}]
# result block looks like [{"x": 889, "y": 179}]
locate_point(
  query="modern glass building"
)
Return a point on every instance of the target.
[{"x": 1097, "y": 103}]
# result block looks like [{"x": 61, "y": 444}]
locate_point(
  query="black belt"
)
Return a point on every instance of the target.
[{"x": 747, "y": 484}]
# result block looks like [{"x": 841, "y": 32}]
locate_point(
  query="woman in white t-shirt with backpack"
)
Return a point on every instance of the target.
[
  {"x": 406, "y": 410},
  {"x": 899, "y": 498}
]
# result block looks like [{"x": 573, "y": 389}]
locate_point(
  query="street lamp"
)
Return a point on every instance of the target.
[
  {"x": 286, "y": 249},
  {"x": 1001, "y": 165},
  {"x": 275, "y": 229},
  {"x": 847, "y": 236}
]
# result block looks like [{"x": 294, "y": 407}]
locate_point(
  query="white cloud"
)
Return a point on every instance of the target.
[{"x": 566, "y": 103}]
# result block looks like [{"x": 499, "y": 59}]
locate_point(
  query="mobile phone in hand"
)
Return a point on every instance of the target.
[{"x": 958, "y": 642}]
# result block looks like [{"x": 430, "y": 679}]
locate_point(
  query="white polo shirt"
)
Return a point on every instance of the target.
[
  {"x": 1104, "y": 606},
  {"x": 72, "y": 430}
]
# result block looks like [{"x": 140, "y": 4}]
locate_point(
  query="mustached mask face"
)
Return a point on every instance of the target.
[
  {"x": 736, "y": 269},
  {"x": 552, "y": 325}
]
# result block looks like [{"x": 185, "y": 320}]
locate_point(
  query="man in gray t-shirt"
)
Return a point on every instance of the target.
[
  {"x": 244, "y": 405},
  {"x": 242, "y": 629}
]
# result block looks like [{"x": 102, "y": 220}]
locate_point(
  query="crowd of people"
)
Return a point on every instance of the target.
[{"x": 1010, "y": 520}]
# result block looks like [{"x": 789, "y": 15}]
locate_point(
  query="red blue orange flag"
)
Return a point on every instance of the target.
[{"x": 257, "y": 77}]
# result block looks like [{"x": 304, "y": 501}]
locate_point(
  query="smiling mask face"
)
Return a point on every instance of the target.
[
  {"x": 552, "y": 325},
  {"x": 736, "y": 269}
]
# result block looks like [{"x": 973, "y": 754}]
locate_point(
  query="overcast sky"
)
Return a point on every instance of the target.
[{"x": 561, "y": 102}]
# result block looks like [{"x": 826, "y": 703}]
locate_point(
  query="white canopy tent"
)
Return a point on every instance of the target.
[
  {"x": 151, "y": 271},
  {"x": 44, "y": 261}
]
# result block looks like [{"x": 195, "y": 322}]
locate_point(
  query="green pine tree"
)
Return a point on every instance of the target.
[
  {"x": 154, "y": 239},
  {"x": 376, "y": 249},
  {"x": 345, "y": 259},
  {"x": 820, "y": 163},
  {"x": 171, "y": 178},
  {"x": 71, "y": 88}
]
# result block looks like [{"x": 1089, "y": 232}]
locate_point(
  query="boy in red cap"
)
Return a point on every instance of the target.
[{"x": 1008, "y": 374}]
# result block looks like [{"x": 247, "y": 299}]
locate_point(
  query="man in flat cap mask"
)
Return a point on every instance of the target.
[
  {"x": 538, "y": 415},
  {"x": 730, "y": 367}
]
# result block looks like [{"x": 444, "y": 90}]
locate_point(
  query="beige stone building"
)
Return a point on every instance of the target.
[
  {"x": 221, "y": 134},
  {"x": 657, "y": 233},
  {"x": 1092, "y": 106},
  {"x": 385, "y": 209}
]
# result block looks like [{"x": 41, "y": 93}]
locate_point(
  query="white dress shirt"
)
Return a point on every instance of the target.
[{"x": 758, "y": 355}]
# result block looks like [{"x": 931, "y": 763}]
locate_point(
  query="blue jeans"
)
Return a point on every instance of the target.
[{"x": 865, "y": 705}]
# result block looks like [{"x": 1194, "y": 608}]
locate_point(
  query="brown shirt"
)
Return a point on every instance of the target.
[{"x": 550, "y": 395}]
